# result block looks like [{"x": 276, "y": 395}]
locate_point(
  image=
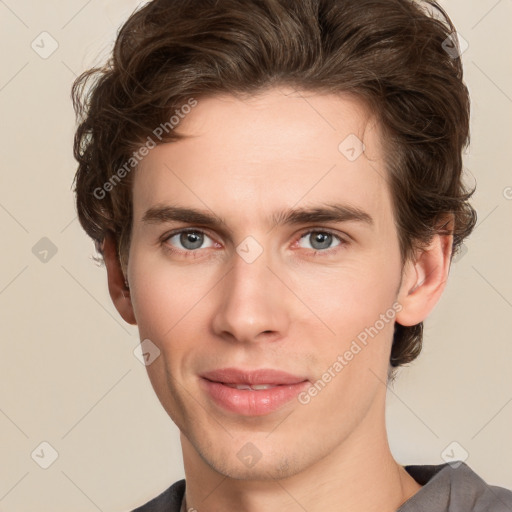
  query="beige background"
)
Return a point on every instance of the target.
[{"x": 68, "y": 373}]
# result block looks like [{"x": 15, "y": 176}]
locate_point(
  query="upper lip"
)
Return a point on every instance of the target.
[{"x": 252, "y": 377}]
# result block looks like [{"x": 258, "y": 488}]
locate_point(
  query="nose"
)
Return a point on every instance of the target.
[{"x": 253, "y": 303}]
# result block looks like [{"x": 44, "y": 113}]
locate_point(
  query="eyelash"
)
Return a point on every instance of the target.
[{"x": 190, "y": 253}]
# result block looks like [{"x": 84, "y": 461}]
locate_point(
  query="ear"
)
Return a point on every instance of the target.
[
  {"x": 424, "y": 279},
  {"x": 119, "y": 292}
]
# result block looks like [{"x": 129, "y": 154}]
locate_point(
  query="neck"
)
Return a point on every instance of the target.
[{"x": 360, "y": 474}]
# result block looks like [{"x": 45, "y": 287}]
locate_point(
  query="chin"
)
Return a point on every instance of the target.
[{"x": 266, "y": 463}]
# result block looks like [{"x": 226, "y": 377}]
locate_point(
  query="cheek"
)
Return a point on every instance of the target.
[
  {"x": 172, "y": 305},
  {"x": 350, "y": 300},
  {"x": 350, "y": 296},
  {"x": 163, "y": 295}
]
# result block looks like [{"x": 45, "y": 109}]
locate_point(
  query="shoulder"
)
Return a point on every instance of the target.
[
  {"x": 167, "y": 501},
  {"x": 483, "y": 496},
  {"x": 455, "y": 488}
]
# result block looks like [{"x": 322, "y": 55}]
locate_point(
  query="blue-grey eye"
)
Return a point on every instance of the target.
[
  {"x": 319, "y": 240},
  {"x": 190, "y": 240}
]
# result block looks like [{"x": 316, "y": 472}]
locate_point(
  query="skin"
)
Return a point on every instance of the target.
[{"x": 294, "y": 308}]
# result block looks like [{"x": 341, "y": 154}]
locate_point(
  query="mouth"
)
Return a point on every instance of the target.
[
  {"x": 252, "y": 378},
  {"x": 254, "y": 387},
  {"x": 252, "y": 393}
]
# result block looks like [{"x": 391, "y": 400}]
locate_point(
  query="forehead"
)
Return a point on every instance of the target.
[{"x": 263, "y": 153}]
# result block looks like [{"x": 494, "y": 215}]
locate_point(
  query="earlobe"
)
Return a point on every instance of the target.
[
  {"x": 423, "y": 280},
  {"x": 117, "y": 286}
]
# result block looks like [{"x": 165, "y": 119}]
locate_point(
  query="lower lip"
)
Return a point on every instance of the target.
[{"x": 252, "y": 403}]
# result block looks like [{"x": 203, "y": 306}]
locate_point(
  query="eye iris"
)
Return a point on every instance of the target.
[
  {"x": 323, "y": 240},
  {"x": 191, "y": 240}
]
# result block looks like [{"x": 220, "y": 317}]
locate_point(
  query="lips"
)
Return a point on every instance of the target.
[
  {"x": 253, "y": 378},
  {"x": 251, "y": 393}
]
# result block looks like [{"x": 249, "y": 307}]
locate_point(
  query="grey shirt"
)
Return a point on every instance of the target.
[{"x": 445, "y": 489}]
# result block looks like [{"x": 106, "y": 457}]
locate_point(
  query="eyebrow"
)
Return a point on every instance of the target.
[{"x": 160, "y": 214}]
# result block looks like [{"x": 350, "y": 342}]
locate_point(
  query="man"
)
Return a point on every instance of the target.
[{"x": 275, "y": 187}]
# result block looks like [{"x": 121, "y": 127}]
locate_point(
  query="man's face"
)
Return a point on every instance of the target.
[{"x": 254, "y": 294}]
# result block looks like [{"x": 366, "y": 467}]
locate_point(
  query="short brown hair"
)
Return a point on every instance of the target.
[{"x": 391, "y": 54}]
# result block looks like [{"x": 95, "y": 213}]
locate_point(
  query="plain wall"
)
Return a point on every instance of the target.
[{"x": 68, "y": 373}]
